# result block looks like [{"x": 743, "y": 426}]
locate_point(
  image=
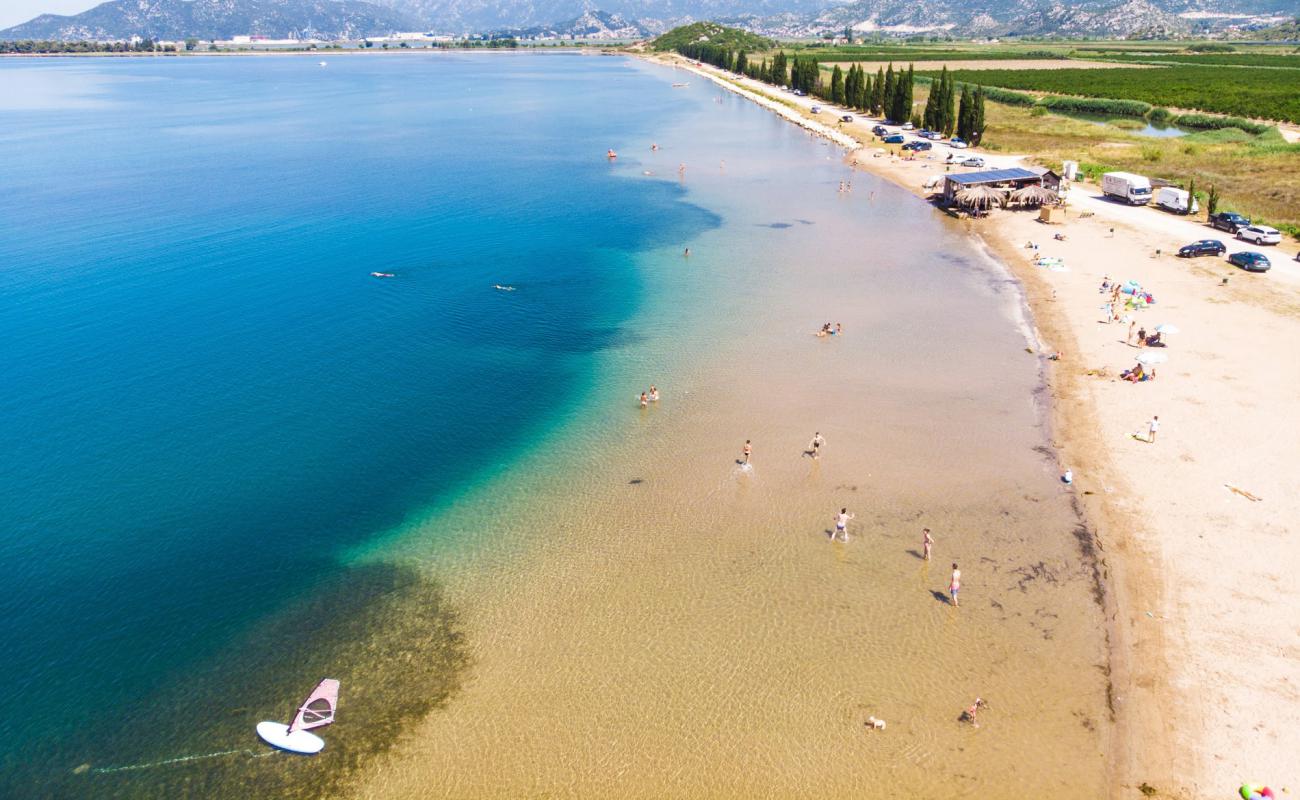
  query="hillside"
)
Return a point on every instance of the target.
[
  {"x": 217, "y": 19},
  {"x": 712, "y": 32}
]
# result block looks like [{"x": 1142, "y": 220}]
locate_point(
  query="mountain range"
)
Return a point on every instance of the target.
[{"x": 336, "y": 19}]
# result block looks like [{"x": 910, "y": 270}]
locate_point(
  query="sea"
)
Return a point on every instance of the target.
[{"x": 236, "y": 461}]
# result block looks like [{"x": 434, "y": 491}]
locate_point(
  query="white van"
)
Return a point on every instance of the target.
[
  {"x": 1132, "y": 189},
  {"x": 1179, "y": 201}
]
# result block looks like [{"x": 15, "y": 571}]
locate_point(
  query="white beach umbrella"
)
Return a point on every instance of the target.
[
  {"x": 1152, "y": 357},
  {"x": 1166, "y": 328}
]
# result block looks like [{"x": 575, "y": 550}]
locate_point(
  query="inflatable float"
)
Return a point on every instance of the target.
[{"x": 1253, "y": 791}]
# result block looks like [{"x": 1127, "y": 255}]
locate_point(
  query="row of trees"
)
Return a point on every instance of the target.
[
  {"x": 940, "y": 114},
  {"x": 889, "y": 93},
  {"x": 35, "y": 46},
  {"x": 970, "y": 115}
]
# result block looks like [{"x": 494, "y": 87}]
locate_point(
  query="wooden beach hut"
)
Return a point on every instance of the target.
[{"x": 1002, "y": 179}]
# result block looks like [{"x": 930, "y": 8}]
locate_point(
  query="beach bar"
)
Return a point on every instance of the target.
[{"x": 1013, "y": 178}]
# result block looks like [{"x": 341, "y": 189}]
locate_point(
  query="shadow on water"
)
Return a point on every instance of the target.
[{"x": 386, "y": 632}]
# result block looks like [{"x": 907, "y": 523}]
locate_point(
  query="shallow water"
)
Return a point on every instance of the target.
[{"x": 546, "y": 589}]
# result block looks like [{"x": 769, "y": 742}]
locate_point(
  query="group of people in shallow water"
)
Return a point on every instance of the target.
[
  {"x": 651, "y": 396},
  {"x": 827, "y": 330}
]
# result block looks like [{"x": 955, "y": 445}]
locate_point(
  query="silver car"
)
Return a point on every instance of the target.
[{"x": 1260, "y": 234}]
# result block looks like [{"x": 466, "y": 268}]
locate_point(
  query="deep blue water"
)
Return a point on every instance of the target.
[{"x": 205, "y": 397}]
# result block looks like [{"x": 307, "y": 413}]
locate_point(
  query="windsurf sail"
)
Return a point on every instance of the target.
[{"x": 318, "y": 708}]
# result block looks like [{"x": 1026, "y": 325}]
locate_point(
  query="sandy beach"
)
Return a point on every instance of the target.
[
  {"x": 666, "y": 623},
  {"x": 1196, "y": 528}
]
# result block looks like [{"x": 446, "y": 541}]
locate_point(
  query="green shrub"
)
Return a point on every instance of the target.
[
  {"x": 1096, "y": 105},
  {"x": 1152, "y": 153},
  {"x": 1160, "y": 115},
  {"x": 1208, "y": 122}
]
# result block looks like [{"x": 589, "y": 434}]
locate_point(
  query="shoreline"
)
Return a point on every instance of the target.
[
  {"x": 681, "y": 624},
  {"x": 1159, "y": 701}
]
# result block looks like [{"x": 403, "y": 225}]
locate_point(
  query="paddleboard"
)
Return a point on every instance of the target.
[{"x": 277, "y": 734}]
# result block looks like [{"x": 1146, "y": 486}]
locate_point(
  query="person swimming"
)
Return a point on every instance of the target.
[{"x": 501, "y": 288}]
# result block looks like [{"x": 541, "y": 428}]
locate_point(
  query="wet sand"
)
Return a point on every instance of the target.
[{"x": 651, "y": 620}]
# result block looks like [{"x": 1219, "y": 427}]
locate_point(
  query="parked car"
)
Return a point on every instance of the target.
[
  {"x": 1205, "y": 247},
  {"x": 973, "y": 161},
  {"x": 917, "y": 146},
  {"x": 960, "y": 144},
  {"x": 846, "y": 118},
  {"x": 1260, "y": 234},
  {"x": 907, "y": 126},
  {"x": 1251, "y": 262},
  {"x": 816, "y": 109},
  {"x": 1228, "y": 221},
  {"x": 897, "y": 138},
  {"x": 933, "y": 136},
  {"x": 799, "y": 93},
  {"x": 880, "y": 130}
]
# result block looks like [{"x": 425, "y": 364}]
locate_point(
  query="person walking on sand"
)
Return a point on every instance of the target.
[
  {"x": 927, "y": 542},
  {"x": 748, "y": 450},
  {"x": 815, "y": 445},
  {"x": 954, "y": 585},
  {"x": 842, "y": 525},
  {"x": 1129, "y": 338},
  {"x": 1152, "y": 427}
]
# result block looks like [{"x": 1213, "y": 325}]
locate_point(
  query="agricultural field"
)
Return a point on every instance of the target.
[
  {"x": 1268, "y": 60},
  {"x": 904, "y": 53},
  {"x": 1245, "y": 92},
  {"x": 1003, "y": 64},
  {"x": 1255, "y": 174}
]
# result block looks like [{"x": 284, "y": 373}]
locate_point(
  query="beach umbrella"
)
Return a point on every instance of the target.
[
  {"x": 1034, "y": 195},
  {"x": 980, "y": 196},
  {"x": 1152, "y": 357},
  {"x": 1166, "y": 328}
]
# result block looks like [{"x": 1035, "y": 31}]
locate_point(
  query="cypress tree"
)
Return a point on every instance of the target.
[
  {"x": 837, "y": 86},
  {"x": 929, "y": 117},
  {"x": 947, "y": 112},
  {"x": 887, "y": 100},
  {"x": 864, "y": 90},
  {"x": 965, "y": 113},
  {"x": 741, "y": 62},
  {"x": 977, "y": 117},
  {"x": 878, "y": 92}
]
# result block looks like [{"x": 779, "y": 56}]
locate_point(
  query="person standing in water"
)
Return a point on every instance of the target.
[
  {"x": 654, "y": 393},
  {"x": 954, "y": 585},
  {"x": 927, "y": 542},
  {"x": 748, "y": 449},
  {"x": 842, "y": 525},
  {"x": 816, "y": 445},
  {"x": 645, "y": 401}
]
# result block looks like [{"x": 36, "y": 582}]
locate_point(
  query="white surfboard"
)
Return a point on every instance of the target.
[
  {"x": 277, "y": 734},
  {"x": 315, "y": 712}
]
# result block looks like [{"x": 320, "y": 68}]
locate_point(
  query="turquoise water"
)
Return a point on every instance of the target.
[{"x": 207, "y": 399}]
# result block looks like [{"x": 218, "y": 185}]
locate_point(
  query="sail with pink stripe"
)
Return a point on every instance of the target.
[{"x": 318, "y": 709}]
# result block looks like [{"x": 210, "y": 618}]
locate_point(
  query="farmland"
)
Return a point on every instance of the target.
[
  {"x": 1245, "y": 92},
  {"x": 1268, "y": 60}
]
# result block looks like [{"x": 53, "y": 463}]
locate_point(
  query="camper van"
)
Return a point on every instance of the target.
[
  {"x": 1179, "y": 201},
  {"x": 1132, "y": 189}
]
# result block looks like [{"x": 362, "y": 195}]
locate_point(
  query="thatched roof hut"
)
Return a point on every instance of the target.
[
  {"x": 980, "y": 196},
  {"x": 1033, "y": 196}
]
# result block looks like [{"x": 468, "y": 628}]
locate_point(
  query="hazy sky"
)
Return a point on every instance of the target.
[{"x": 13, "y": 12}]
